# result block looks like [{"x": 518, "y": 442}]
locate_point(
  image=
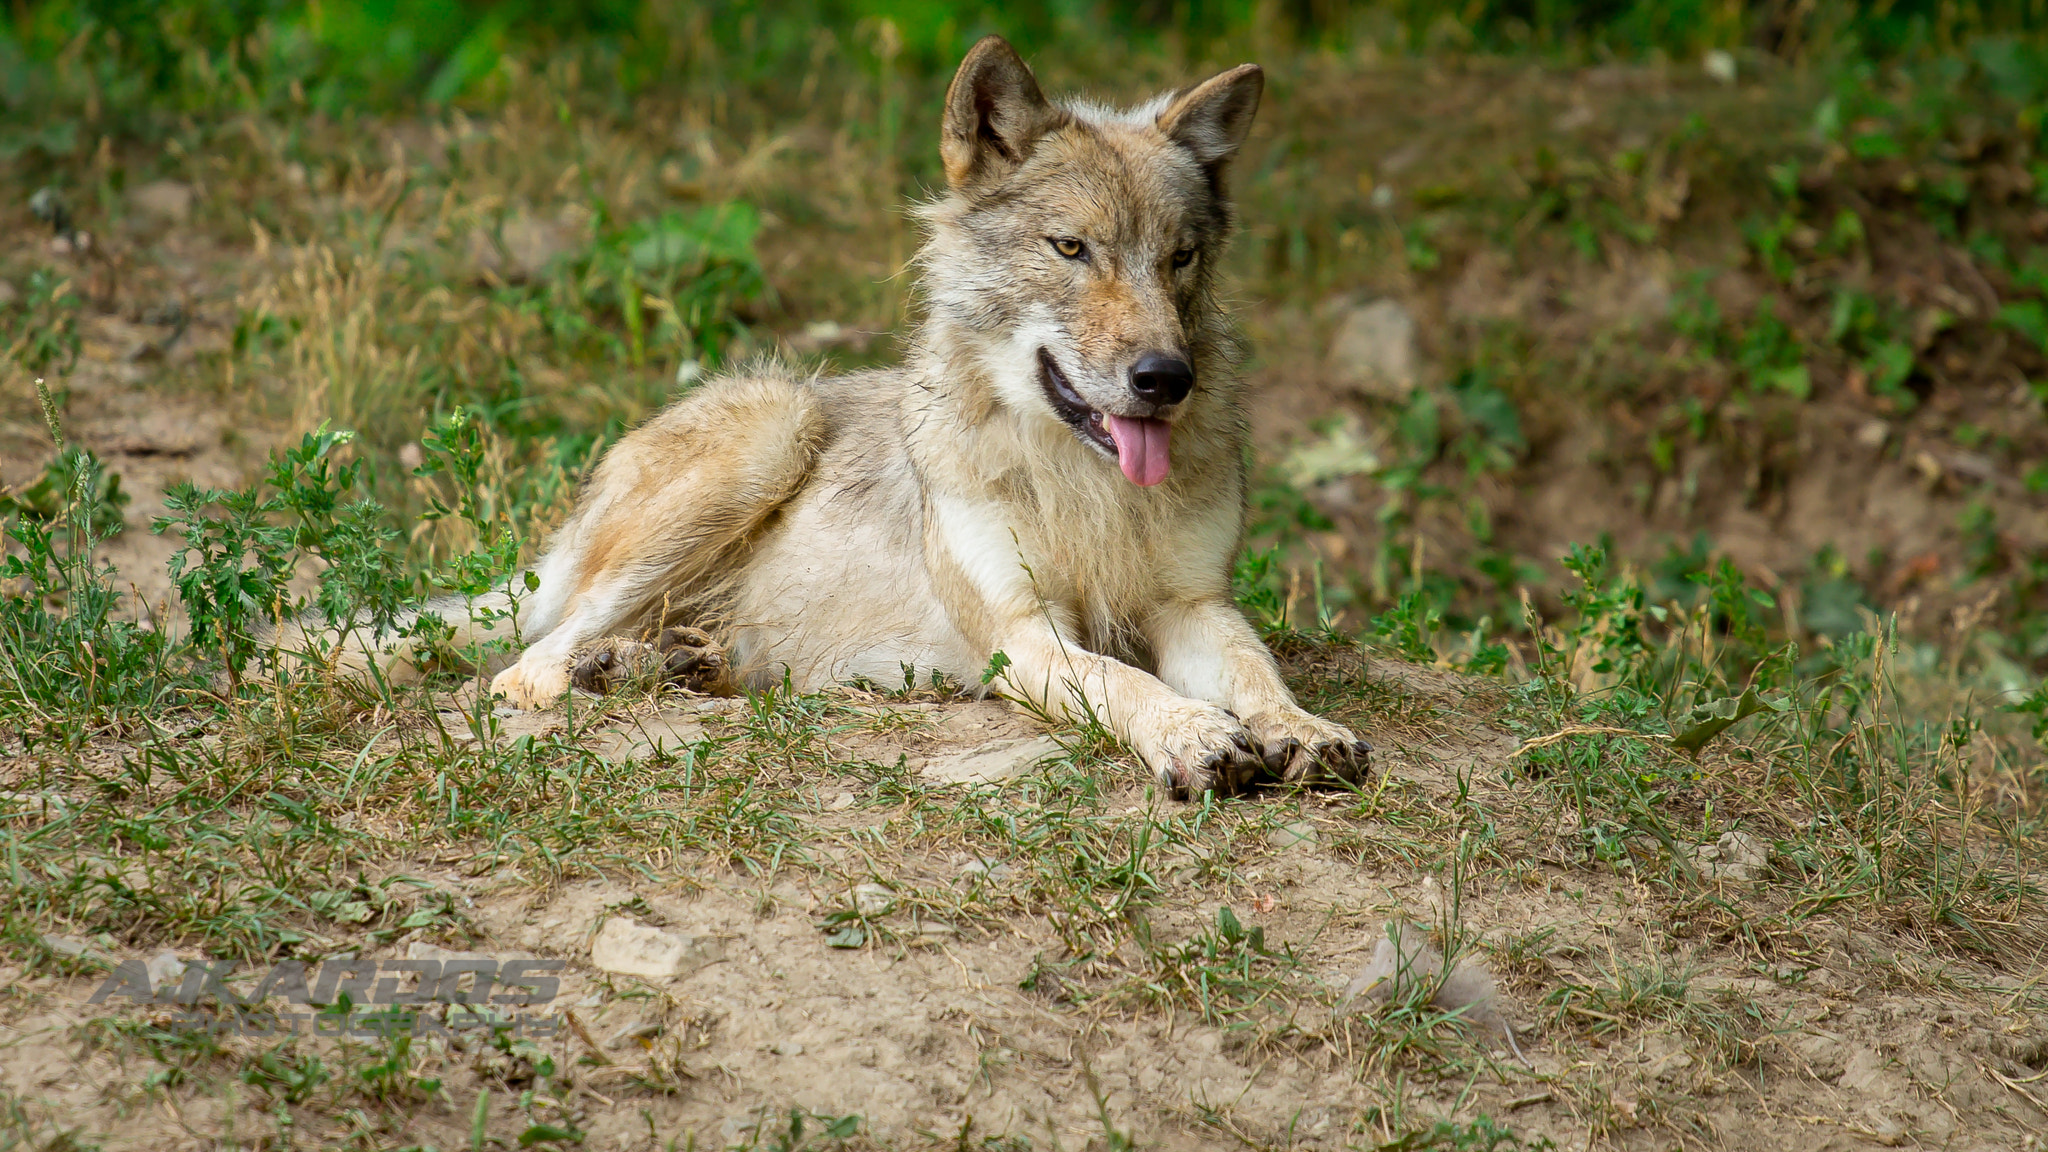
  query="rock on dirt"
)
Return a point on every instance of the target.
[
  {"x": 996, "y": 760},
  {"x": 873, "y": 899},
  {"x": 165, "y": 972},
  {"x": 630, "y": 948},
  {"x": 67, "y": 946},
  {"x": 1297, "y": 836},
  {"x": 1736, "y": 856},
  {"x": 1374, "y": 350}
]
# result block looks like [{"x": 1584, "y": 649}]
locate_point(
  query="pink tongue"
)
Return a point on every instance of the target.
[{"x": 1141, "y": 448}]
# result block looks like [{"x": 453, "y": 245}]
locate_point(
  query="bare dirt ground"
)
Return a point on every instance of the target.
[{"x": 951, "y": 1027}]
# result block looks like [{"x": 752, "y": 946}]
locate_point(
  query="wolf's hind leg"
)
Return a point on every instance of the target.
[
  {"x": 665, "y": 515},
  {"x": 683, "y": 656}
]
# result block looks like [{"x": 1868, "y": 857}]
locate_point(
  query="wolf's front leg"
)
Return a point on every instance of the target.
[
  {"x": 1207, "y": 650},
  {"x": 1192, "y": 746},
  {"x": 543, "y": 671}
]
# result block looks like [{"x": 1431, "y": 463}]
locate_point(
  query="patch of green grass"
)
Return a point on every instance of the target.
[
  {"x": 72, "y": 665},
  {"x": 1633, "y": 993}
]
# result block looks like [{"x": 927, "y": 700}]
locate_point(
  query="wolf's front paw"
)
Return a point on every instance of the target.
[
  {"x": 1202, "y": 748},
  {"x": 530, "y": 685},
  {"x": 1305, "y": 749}
]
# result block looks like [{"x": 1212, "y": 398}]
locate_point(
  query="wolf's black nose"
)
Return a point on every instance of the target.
[{"x": 1162, "y": 379}]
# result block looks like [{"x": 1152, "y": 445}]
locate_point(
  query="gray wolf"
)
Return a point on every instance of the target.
[{"x": 1056, "y": 474}]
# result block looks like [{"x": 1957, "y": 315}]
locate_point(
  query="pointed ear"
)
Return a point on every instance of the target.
[
  {"x": 995, "y": 115},
  {"x": 1212, "y": 119}
]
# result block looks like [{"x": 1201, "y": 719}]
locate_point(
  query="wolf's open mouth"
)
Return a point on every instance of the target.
[{"x": 1139, "y": 443}]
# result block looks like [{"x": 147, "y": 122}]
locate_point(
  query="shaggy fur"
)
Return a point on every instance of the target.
[{"x": 1014, "y": 487}]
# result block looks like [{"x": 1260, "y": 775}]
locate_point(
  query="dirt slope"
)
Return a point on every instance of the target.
[{"x": 945, "y": 1026}]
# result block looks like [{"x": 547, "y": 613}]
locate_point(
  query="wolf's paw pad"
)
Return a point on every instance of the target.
[{"x": 691, "y": 659}]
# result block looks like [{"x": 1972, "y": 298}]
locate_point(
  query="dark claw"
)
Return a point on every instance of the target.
[
  {"x": 1279, "y": 756},
  {"x": 1328, "y": 764},
  {"x": 1228, "y": 770}
]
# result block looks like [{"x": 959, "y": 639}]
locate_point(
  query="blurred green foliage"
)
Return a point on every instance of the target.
[{"x": 132, "y": 60}]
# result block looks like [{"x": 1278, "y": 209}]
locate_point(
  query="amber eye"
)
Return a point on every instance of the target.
[
  {"x": 1069, "y": 247},
  {"x": 1184, "y": 257}
]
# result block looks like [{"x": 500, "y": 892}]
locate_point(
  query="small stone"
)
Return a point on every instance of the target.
[
  {"x": 166, "y": 200},
  {"x": 985, "y": 870},
  {"x": 1736, "y": 856},
  {"x": 630, "y": 948},
  {"x": 873, "y": 899},
  {"x": 1374, "y": 350},
  {"x": 165, "y": 971},
  {"x": 997, "y": 760},
  {"x": 840, "y": 803},
  {"x": 1299, "y": 836},
  {"x": 1719, "y": 65},
  {"x": 48, "y": 206},
  {"x": 66, "y": 946},
  {"x": 787, "y": 1048}
]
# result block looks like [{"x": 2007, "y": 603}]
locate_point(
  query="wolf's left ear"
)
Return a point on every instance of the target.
[
  {"x": 1212, "y": 119},
  {"x": 995, "y": 115}
]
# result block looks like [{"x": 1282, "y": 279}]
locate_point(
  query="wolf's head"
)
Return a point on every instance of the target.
[{"x": 1073, "y": 258}]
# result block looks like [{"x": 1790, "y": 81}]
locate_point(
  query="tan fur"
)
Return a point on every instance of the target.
[{"x": 939, "y": 513}]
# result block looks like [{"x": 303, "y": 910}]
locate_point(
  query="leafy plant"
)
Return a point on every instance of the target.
[
  {"x": 39, "y": 331},
  {"x": 70, "y": 663}
]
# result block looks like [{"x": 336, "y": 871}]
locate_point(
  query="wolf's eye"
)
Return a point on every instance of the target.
[
  {"x": 1184, "y": 257},
  {"x": 1069, "y": 247}
]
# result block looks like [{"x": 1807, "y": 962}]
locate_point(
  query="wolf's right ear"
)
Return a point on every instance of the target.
[{"x": 995, "y": 115}]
